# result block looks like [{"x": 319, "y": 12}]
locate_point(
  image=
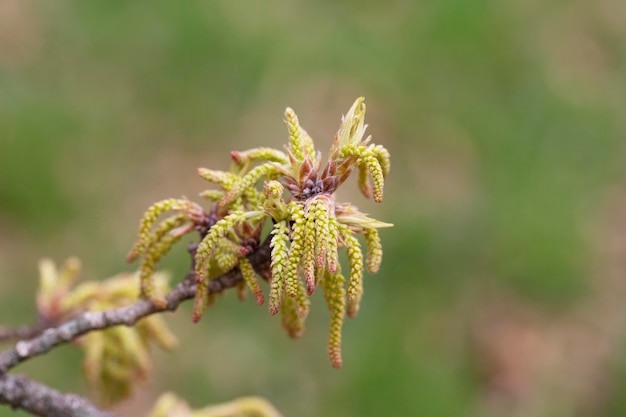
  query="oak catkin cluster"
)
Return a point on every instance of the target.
[
  {"x": 116, "y": 357},
  {"x": 294, "y": 191}
]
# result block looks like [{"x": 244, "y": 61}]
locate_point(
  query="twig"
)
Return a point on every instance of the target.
[{"x": 41, "y": 400}]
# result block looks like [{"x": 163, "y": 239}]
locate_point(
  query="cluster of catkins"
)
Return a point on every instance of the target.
[
  {"x": 295, "y": 191},
  {"x": 114, "y": 357}
]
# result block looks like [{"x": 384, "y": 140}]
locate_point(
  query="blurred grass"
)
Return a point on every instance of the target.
[{"x": 505, "y": 123}]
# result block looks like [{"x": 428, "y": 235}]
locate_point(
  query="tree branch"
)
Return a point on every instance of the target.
[{"x": 41, "y": 400}]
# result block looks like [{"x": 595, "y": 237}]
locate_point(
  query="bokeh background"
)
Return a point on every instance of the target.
[{"x": 502, "y": 286}]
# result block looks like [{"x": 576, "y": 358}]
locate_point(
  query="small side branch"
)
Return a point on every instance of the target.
[{"x": 41, "y": 400}]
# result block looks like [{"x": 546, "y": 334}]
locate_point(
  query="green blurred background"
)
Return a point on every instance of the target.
[{"x": 501, "y": 287}]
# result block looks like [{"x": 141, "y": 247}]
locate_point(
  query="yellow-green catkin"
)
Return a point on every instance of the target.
[
  {"x": 296, "y": 249},
  {"x": 366, "y": 158},
  {"x": 167, "y": 226},
  {"x": 308, "y": 256},
  {"x": 377, "y": 176},
  {"x": 93, "y": 344},
  {"x": 374, "y": 250},
  {"x": 253, "y": 198},
  {"x": 249, "y": 180},
  {"x": 300, "y": 143},
  {"x": 335, "y": 294},
  {"x": 355, "y": 280},
  {"x": 292, "y": 322},
  {"x": 251, "y": 279},
  {"x": 204, "y": 254},
  {"x": 242, "y": 158},
  {"x": 322, "y": 236},
  {"x": 160, "y": 244},
  {"x": 146, "y": 223},
  {"x": 225, "y": 260},
  {"x": 148, "y": 264},
  {"x": 333, "y": 238},
  {"x": 154, "y": 327},
  {"x": 209, "y": 244},
  {"x": 274, "y": 205},
  {"x": 124, "y": 357},
  {"x": 212, "y": 195},
  {"x": 280, "y": 254},
  {"x": 382, "y": 154},
  {"x": 201, "y": 300},
  {"x": 363, "y": 181},
  {"x": 226, "y": 180},
  {"x": 129, "y": 344},
  {"x": 302, "y": 301}
]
